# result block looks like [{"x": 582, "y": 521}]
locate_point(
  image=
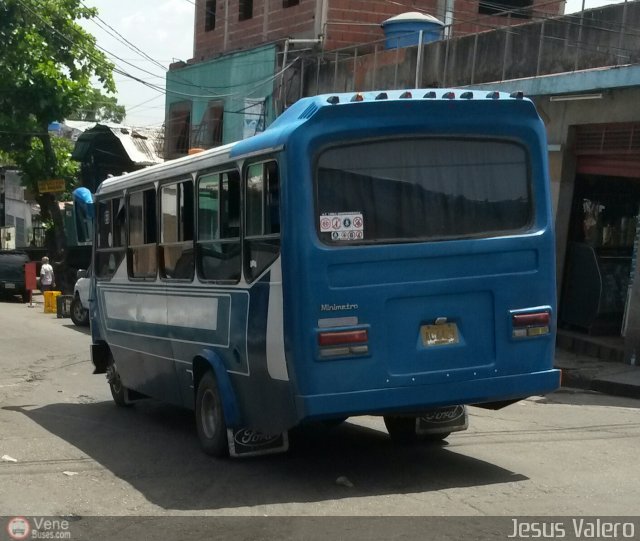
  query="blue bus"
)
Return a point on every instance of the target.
[{"x": 379, "y": 253}]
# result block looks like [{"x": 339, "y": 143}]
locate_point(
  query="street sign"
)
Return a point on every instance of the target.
[{"x": 52, "y": 185}]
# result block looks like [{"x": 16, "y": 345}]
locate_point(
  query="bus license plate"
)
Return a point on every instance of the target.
[
  {"x": 9, "y": 285},
  {"x": 439, "y": 335}
]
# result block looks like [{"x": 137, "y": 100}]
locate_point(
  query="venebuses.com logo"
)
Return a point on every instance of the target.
[{"x": 18, "y": 528}]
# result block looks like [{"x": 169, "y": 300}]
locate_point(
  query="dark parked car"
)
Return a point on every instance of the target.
[{"x": 12, "y": 274}]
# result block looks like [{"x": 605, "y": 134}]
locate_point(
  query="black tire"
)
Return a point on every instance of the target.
[
  {"x": 401, "y": 429},
  {"x": 435, "y": 438},
  {"x": 119, "y": 392},
  {"x": 212, "y": 430},
  {"x": 79, "y": 315},
  {"x": 330, "y": 423}
]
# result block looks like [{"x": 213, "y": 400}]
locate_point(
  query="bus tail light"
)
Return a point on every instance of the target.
[
  {"x": 343, "y": 343},
  {"x": 531, "y": 324}
]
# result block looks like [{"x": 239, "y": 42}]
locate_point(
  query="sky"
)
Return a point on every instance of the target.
[{"x": 163, "y": 30}]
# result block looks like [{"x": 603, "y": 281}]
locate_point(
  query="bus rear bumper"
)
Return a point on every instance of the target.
[{"x": 424, "y": 397}]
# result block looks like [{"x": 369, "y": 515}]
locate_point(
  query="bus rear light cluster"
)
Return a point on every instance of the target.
[
  {"x": 343, "y": 343},
  {"x": 531, "y": 324}
]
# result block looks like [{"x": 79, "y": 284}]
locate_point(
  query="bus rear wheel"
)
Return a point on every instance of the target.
[
  {"x": 210, "y": 424},
  {"x": 401, "y": 429}
]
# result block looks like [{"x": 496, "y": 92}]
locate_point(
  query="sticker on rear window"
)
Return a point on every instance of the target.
[{"x": 343, "y": 225}]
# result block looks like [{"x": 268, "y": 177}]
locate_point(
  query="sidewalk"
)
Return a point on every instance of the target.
[{"x": 607, "y": 377}]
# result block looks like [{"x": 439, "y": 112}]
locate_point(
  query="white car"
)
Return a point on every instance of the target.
[{"x": 80, "y": 303}]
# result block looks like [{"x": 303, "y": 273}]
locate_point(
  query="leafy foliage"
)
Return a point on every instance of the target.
[
  {"x": 101, "y": 108},
  {"x": 31, "y": 162},
  {"x": 47, "y": 65}
]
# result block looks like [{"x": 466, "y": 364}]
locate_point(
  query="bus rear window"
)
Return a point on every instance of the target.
[{"x": 407, "y": 190}]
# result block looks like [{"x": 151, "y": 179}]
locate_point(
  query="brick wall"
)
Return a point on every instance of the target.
[
  {"x": 348, "y": 23},
  {"x": 295, "y": 21}
]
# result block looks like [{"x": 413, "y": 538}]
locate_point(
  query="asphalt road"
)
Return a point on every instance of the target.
[{"x": 77, "y": 454}]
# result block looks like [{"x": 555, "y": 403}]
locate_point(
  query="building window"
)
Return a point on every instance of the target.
[
  {"x": 142, "y": 258},
  {"x": 178, "y": 129},
  {"x": 289, "y": 3},
  {"x": 218, "y": 242},
  {"x": 210, "y": 131},
  {"x": 519, "y": 9},
  {"x": 176, "y": 231},
  {"x": 245, "y": 10},
  {"x": 262, "y": 218},
  {"x": 210, "y": 15}
]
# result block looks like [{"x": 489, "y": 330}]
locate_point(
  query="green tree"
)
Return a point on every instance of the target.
[
  {"x": 47, "y": 65},
  {"x": 100, "y": 108}
]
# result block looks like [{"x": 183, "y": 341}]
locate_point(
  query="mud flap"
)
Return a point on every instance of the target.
[
  {"x": 246, "y": 442},
  {"x": 442, "y": 420}
]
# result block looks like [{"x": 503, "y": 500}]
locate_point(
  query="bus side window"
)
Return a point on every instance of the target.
[
  {"x": 218, "y": 243},
  {"x": 142, "y": 255},
  {"x": 111, "y": 240},
  {"x": 262, "y": 223},
  {"x": 176, "y": 231}
]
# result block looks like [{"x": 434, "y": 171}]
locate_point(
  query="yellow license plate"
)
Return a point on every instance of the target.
[{"x": 439, "y": 335}]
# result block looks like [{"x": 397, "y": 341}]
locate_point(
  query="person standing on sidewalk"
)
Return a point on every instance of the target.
[{"x": 46, "y": 275}]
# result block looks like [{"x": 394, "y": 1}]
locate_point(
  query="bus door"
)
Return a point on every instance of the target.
[{"x": 268, "y": 398}]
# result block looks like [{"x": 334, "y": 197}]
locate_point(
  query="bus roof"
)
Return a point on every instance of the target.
[
  {"x": 307, "y": 108},
  {"x": 300, "y": 112},
  {"x": 169, "y": 168}
]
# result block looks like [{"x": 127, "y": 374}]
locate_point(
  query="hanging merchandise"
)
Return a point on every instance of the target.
[{"x": 592, "y": 222}]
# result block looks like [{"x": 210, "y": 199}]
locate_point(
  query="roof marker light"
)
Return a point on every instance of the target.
[
  {"x": 357, "y": 97},
  {"x": 430, "y": 95},
  {"x": 517, "y": 95},
  {"x": 333, "y": 100},
  {"x": 448, "y": 96},
  {"x": 466, "y": 95},
  {"x": 382, "y": 96},
  {"x": 406, "y": 95},
  {"x": 493, "y": 95}
]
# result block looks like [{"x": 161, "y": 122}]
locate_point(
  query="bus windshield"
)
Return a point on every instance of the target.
[{"x": 407, "y": 190}]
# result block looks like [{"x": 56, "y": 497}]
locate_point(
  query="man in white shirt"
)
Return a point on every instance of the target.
[{"x": 46, "y": 275}]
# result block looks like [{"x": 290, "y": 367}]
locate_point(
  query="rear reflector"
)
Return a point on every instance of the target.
[
  {"x": 527, "y": 320},
  {"x": 342, "y": 337}
]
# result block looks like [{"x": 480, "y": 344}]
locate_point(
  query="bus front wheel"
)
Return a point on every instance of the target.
[
  {"x": 119, "y": 392},
  {"x": 210, "y": 424}
]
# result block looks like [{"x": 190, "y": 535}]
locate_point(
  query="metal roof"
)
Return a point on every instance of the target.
[{"x": 142, "y": 145}]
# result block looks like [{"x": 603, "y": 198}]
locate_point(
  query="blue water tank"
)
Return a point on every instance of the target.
[{"x": 404, "y": 30}]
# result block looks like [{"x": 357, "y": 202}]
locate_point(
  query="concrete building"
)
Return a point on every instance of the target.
[
  {"x": 15, "y": 212},
  {"x": 249, "y": 55}
]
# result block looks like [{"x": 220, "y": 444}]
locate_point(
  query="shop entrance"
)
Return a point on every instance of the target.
[{"x": 600, "y": 254}]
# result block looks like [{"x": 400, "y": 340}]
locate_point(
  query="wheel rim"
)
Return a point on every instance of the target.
[
  {"x": 209, "y": 414},
  {"x": 78, "y": 311},
  {"x": 116, "y": 385},
  {"x": 114, "y": 378}
]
